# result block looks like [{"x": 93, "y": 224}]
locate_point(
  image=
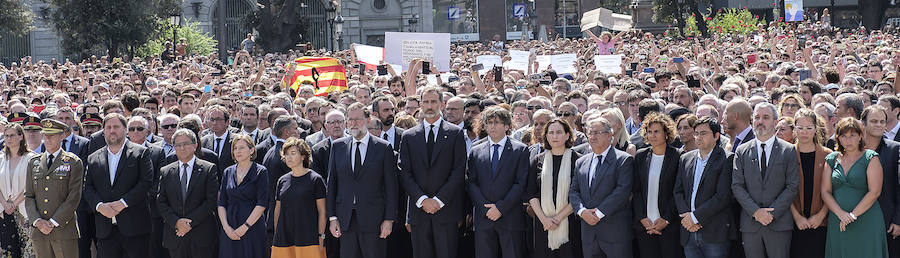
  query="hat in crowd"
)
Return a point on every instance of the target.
[
  {"x": 91, "y": 119},
  {"x": 53, "y": 126},
  {"x": 32, "y": 122},
  {"x": 16, "y": 117},
  {"x": 831, "y": 86}
]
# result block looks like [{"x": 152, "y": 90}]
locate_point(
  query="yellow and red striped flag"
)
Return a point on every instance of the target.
[{"x": 331, "y": 75}]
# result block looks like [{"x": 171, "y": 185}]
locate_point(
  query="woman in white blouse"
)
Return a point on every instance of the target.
[{"x": 13, "y": 166}]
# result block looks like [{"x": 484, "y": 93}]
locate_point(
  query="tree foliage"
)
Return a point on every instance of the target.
[
  {"x": 198, "y": 42},
  {"x": 730, "y": 21},
  {"x": 89, "y": 26},
  {"x": 15, "y": 17},
  {"x": 279, "y": 24},
  {"x": 671, "y": 11}
]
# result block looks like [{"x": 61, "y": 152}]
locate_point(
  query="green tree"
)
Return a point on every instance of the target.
[
  {"x": 116, "y": 26},
  {"x": 198, "y": 42},
  {"x": 15, "y": 17},
  {"x": 279, "y": 24},
  {"x": 671, "y": 11}
]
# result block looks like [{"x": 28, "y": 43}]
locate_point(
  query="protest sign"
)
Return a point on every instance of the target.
[
  {"x": 608, "y": 64},
  {"x": 489, "y": 61},
  {"x": 403, "y": 47}
]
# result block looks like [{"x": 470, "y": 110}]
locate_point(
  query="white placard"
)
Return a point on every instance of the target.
[
  {"x": 605, "y": 18},
  {"x": 518, "y": 60},
  {"x": 608, "y": 64},
  {"x": 402, "y": 47},
  {"x": 369, "y": 54},
  {"x": 489, "y": 61},
  {"x": 562, "y": 63}
]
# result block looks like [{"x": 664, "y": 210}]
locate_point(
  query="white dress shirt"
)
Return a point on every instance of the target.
[
  {"x": 427, "y": 126},
  {"x": 220, "y": 139},
  {"x": 893, "y": 132},
  {"x": 390, "y": 135},
  {"x": 738, "y": 139},
  {"x": 190, "y": 169},
  {"x": 656, "y": 163},
  {"x": 112, "y": 161},
  {"x": 502, "y": 143},
  {"x": 363, "y": 146},
  {"x": 698, "y": 174},
  {"x": 769, "y": 143}
]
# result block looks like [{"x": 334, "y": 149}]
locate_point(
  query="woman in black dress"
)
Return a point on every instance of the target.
[
  {"x": 556, "y": 228},
  {"x": 243, "y": 198},
  {"x": 299, "y": 206},
  {"x": 808, "y": 209}
]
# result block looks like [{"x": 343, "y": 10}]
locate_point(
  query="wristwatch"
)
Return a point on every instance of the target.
[{"x": 321, "y": 236}]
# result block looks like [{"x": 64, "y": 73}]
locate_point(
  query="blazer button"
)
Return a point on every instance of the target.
[
  {"x": 48, "y": 178},
  {"x": 45, "y": 200},
  {"x": 46, "y": 189},
  {"x": 45, "y": 212}
]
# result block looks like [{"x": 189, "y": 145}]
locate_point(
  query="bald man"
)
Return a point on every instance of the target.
[{"x": 737, "y": 122}]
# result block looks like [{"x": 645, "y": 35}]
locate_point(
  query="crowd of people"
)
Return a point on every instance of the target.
[{"x": 778, "y": 143}]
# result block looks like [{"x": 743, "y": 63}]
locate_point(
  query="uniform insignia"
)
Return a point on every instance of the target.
[{"x": 36, "y": 162}]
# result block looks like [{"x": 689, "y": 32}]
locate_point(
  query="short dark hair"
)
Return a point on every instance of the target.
[
  {"x": 499, "y": 113},
  {"x": 131, "y": 100},
  {"x": 647, "y": 106},
  {"x": 570, "y": 141},
  {"x": 115, "y": 116},
  {"x": 711, "y": 122},
  {"x": 301, "y": 146}
]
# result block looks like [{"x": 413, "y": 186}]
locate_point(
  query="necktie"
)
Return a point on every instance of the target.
[
  {"x": 384, "y": 136},
  {"x": 596, "y": 169},
  {"x": 218, "y": 142},
  {"x": 735, "y": 144},
  {"x": 429, "y": 144},
  {"x": 763, "y": 162},
  {"x": 50, "y": 161},
  {"x": 184, "y": 180},
  {"x": 495, "y": 159},
  {"x": 64, "y": 146},
  {"x": 357, "y": 161}
]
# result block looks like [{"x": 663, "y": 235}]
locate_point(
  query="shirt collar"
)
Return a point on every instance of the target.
[
  {"x": 120, "y": 149},
  {"x": 72, "y": 136},
  {"x": 768, "y": 142},
  {"x": 56, "y": 154},
  {"x": 605, "y": 152},
  {"x": 743, "y": 134},
  {"x": 190, "y": 163},
  {"x": 704, "y": 159},
  {"x": 253, "y": 132},
  {"x": 436, "y": 124},
  {"x": 364, "y": 141},
  {"x": 502, "y": 142},
  {"x": 896, "y": 127},
  {"x": 224, "y": 135},
  {"x": 389, "y": 131},
  {"x": 149, "y": 138}
]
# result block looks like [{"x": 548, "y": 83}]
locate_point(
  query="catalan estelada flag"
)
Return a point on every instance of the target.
[{"x": 327, "y": 74}]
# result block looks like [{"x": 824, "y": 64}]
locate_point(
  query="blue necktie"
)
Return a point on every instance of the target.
[{"x": 495, "y": 159}]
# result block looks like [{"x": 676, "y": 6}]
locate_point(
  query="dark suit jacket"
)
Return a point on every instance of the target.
[
  {"x": 225, "y": 160},
  {"x": 96, "y": 141},
  {"x": 667, "y": 210},
  {"x": 582, "y": 149},
  {"x": 134, "y": 176},
  {"x": 776, "y": 190},
  {"x": 320, "y": 153},
  {"x": 79, "y": 147},
  {"x": 505, "y": 190},
  {"x": 198, "y": 206},
  {"x": 750, "y": 136},
  {"x": 374, "y": 187},
  {"x": 158, "y": 159},
  {"x": 609, "y": 194},
  {"x": 276, "y": 168},
  {"x": 262, "y": 149},
  {"x": 888, "y": 152},
  {"x": 441, "y": 175},
  {"x": 713, "y": 199},
  {"x": 155, "y": 138}
]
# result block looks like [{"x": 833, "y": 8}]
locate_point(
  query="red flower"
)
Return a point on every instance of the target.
[
  {"x": 740, "y": 21},
  {"x": 709, "y": 18},
  {"x": 732, "y": 26},
  {"x": 756, "y": 16},
  {"x": 693, "y": 15}
]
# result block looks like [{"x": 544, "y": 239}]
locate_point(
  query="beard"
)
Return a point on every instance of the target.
[
  {"x": 388, "y": 120},
  {"x": 430, "y": 113},
  {"x": 357, "y": 132}
]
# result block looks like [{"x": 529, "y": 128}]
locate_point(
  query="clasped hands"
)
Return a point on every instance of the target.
[
  {"x": 183, "y": 226},
  {"x": 688, "y": 223},
  {"x": 45, "y": 226},
  {"x": 9, "y": 206},
  {"x": 654, "y": 227},
  {"x": 493, "y": 213},
  {"x": 110, "y": 209},
  {"x": 764, "y": 216},
  {"x": 430, "y": 205},
  {"x": 590, "y": 216},
  {"x": 846, "y": 219},
  {"x": 235, "y": 233}
]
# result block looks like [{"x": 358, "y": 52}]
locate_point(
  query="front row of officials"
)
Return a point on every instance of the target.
[{"x": 583, "y": 202}]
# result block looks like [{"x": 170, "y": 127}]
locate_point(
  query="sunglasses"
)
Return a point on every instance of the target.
[
  {"x": 138, "y": 129},
  {"x": 565, "y": 114},
  {"x": 169, "y": 126},
  {"x": 534, "y": 107}
]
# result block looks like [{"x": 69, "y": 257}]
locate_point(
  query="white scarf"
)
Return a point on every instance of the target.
[
  {"x": 560, "y": 235},
  {"x": 12, "y": 180}
]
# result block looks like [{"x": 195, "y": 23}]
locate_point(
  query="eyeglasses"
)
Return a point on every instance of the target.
[
  {"x": 169, "y": 126},
  {"x": 334, "y": 122},
  {"x": 136, "y": 129},
  {"x": 701, "y": 133},
  {"x": 534, "y": 107},
  {"x": 183, "y": 144},
  {"x": 217, "y": 119},
  {"x": 565, "y": 114},
  {"x": 792, "y": 106}
]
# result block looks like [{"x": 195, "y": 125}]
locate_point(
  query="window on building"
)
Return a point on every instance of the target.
[
  {"x": 567, "y": 13},
  {"x": 379, "y": 4},
  {"x": 457, "y": 17},
  {"x": 519, "y": 18}
]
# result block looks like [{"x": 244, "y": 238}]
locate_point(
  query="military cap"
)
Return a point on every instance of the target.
[
  {"x": 32, "y": 122},
  {"x": 53, "y": 126},
  {"x": 91, "y": 119},
  {"x": 16, "y": 117}
]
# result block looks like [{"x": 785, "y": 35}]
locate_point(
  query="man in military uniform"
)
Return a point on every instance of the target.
[{"x": 52, "y": 191}]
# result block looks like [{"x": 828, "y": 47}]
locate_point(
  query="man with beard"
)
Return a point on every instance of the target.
[
  {"x": 118, "y": 179},
  {"x": 432, "y": 163},
  {"x": 383, "y": 108},
  {"x": 766, "y": 221},
  {"x": 362, "y": 205},
  {"x": 737, "y": 122}
]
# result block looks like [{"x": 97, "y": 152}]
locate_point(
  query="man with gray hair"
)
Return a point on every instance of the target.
[
  {"x": 766, "y": 222},
  {"x": 600, "y": 192},
  {"x": 137, "y": 133},
  {"x": 827, "y": 112},
  {"x": 849, "y": 105}
]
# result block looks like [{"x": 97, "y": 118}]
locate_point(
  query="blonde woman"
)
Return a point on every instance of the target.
[{"x": 620, "y": 137}]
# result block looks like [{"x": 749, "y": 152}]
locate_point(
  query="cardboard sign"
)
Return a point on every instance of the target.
[{"x": 403, "y": 47}]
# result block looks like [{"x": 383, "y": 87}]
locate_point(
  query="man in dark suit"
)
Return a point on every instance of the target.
[
  {"x": 362, "y": 202},
  {"x": 187, "y": 199},
  {"x": 873, "y": 118},
  {"x": 703, "y": 194},
  {"x": 496, "y": 180},
  {"x": 765, "y": 183},
  {"x": 891, "y": 103},
  {"x": 118, "y": 180},
  {"x": 137, "y": 134},
  {"x": 599, "y": 194},
  {"x": 432, "y": 171},
  {"x": 383, "y": 108},
  {"x": 269, "y": 142},
  {"x": 219, "y": 138}
]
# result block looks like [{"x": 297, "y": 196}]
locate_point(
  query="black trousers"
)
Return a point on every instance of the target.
[
  {"x": 893, "y": 246},
  {"x": 434, "y": 239},
  {"x": 358, "y": 244},
  {"x": 332, "y": 245},
  {"x": 117, "y": 245},
  {"x": 667, "y": 245},
  {"x": 399, "y": 243},
  {"x": 496, "y": 242},
  {"x": 156, "y": 248},
  {"x": 188, "y": 251},
  {"x": 87, "y": 231}
]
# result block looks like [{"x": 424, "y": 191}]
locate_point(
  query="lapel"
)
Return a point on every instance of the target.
[
  {"x": 505, "y": 158},
  {"x": 584, "y": 173},
  {"x": 439, "y": 140},
  {"x": 714, "y": 159},
  {"x": 122, "y": 156},
  {"x": 370, "y": 144},
  {"x": 670, "y": 157},
  {"x": 691, "y": 166},
  {"x": 754, "y": 158},
  {"x": 194, "y": 178},
  {"x": 104, "y": 163},
  {"x": 605, "y": 167},
  {"x": 776, "y": 148}
]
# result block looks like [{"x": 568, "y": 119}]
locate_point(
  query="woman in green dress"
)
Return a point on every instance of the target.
[{"x": 856, "y": 223}]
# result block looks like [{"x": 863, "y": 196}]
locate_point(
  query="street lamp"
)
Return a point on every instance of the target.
[
  {"x": 339, "y": 30},
  {"x": 331, "y": 9},
  {"x": 175, "y": 21},
  {"x": 413, "y": 21}
]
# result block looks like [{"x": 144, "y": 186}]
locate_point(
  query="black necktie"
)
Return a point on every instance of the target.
[
  {"x": 50, "y": 161},
  {"x": 218, "y": 142},
  {"x": 429, "y": 144},
  {"x": 357, "y": 162},
  {"x": 764, "y": 164},
  {"x": 596, "y": 170},
  {"x": 64, "y": 146}
]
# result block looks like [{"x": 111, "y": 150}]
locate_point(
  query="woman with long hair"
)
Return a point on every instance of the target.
[
  {"x": 808, "y": 210},
  {"x": 13, "y": 165}
]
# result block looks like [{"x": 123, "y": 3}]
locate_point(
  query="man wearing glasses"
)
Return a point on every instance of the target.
[
  {"x": 219, "y": 141},
  {"x": 137, "y": 133}
]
